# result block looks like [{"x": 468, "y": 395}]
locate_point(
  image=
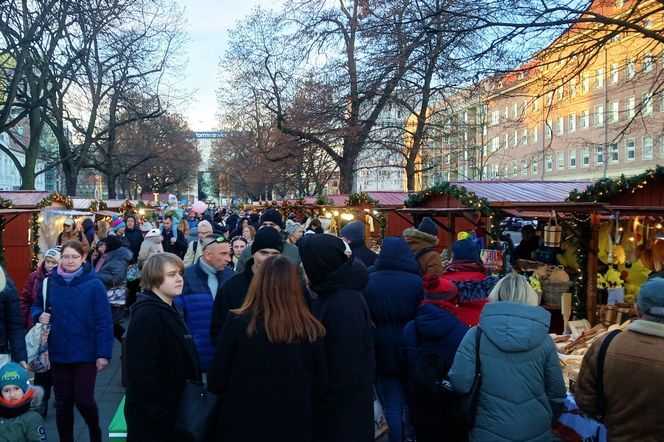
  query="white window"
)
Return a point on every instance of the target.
[
  {"x": 506, "y": 113},
  {"x": 560, "y": 93},
  {"x": 549, "y": 125},
  {"x": 572, "y": 87},
  {"x": 613, "y": 151},
  {"x": 629, "y": 107},
  {"x": 585, "y": 157},
  {"x": 515, "y": 168},
  {"x": 506, "y": 141},
  {"x": 571, "y": 122},
  {"x": 585, "y": 82},
  {"x": 630, "y": 68},
  {"x": 524, "y": 167},
  {"x": 534, "y": 167},
  {"x": 515, "y": 111},
  {"x": 534, "y": 135},
  {"x": 614, "y": 73},
  {"x": 599, "y": 155},
  {"x": 560, "y": 125},
  {"x": 560, "y": 159},
  {"x": 535, "y": 104},
  {"x": 572, "y": 158},
  {"x": 629, "y": 149},
  {"x": 495, "y": 144},
  {"x": 647, "y": 62},
  {"x": 614, "y": 112},
  {"x": 647, "y": 152},
  {"x": 524, "y": 136},
  {"x": 515, "y": 139},
  {"x": 599, "y": 78},
  {"x": 599, "y": 116},
  {"x": 494, "y": 171},
  {"x": 549, "y": 162},
  {"x": 646, "y": 104},
  {"x": 549, "y": 98},
  {"x": 524, "y": 107},
  {"x": 585, "y": 119},
  {"x": 495, "y": 117}
]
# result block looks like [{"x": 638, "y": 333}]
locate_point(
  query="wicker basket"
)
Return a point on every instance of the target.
[{"x": 552, "y": 292}]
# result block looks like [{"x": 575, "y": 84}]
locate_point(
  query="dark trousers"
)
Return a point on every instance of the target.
[
  {"x": 45, "y": 380},
  {"x": 133, "y": 287},
  {"x": 74, "y": 384}
]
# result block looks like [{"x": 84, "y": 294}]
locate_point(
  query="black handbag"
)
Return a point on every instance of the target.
[{"x": 196, "y": 413}]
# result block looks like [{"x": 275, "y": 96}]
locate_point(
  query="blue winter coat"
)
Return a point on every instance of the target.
[
  {"x": 196, "y": 302},
  {"x": 522, "y": 390},
  {"x": 113, "y": 272},
  {"x": 393, "y": 293},
  {"x": 81, "y": 322},
  {"x": 434, "y": 330}
]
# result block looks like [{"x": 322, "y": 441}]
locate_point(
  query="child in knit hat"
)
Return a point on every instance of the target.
[{"x": 18, "y": 419}]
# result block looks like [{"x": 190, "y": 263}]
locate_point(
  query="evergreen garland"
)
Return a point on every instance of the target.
[
  {"x": 56, "y": 197},
  {"x": 4, "y": 204},
  {"x": 361, "y": 198},
  {"x": 607, "y": 188}
]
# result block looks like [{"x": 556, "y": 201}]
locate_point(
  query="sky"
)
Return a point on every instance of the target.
[{"x": 208, "y": 23}]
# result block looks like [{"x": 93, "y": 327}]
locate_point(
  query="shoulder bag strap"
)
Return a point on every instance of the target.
[
  {"x": 45, "y": 292},
  {"x": 478, "y": 364},
  {"x": 601, "y": 403}
]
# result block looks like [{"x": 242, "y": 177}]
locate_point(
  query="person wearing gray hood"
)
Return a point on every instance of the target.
[
  {"x": 522, "y": 391},
  {"x": 112, "y": 271}
]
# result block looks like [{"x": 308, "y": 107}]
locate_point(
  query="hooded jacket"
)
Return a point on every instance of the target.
[
  {"x": 471, "y": 279},
  {"x": 89, "y": 230},
  {"x": 429, "y": 260},
  {"x": 12, "y": 331},
  {"x": 196, "y": 302},
  {"x": 113, "y": 272},
  {"x": 522, "y": 390},
  {"x": 434, "y": 330},
  {"x": 634, "y": 365},
  {"x": 63, "y": 237},
  {"x": 392, "y": 294},
  {"x": 160, "y": 358},
  {"x": 362, "y": 252},
  {"x": 135, "y": 239},
  {"x": 81, "y": 322},
  {"x": 149, "y": 246},
  {"x": 346, "y": 412},
  {"x": 20, "y": 421}
]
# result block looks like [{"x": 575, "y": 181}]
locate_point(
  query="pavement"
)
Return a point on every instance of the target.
[{"x": 108, "y": 393}]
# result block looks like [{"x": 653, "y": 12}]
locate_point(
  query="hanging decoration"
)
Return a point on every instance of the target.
[
  {"x": 97, "y": 205},
  {"x": 4, "y": 204},
  {"x": 126, "y": 207},
  {"x": 323, "y": 200},
  {"x": 606, "y": 188},
  {"x": 56, "y": 197},
  {"x": 361, "y": 199}
]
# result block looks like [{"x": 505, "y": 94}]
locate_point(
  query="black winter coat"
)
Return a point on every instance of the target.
[
  {"x": 160, "y": 357},
  {"x": 362, "y": 252},
  {"x": 268, "y": 391},
  {"x": 135, "y": 238},
  {"x": 230, "y": 296},
  {"x": 179, "y": 247},
  {"x": 346, "y": 412},
  {"x": 12, "y": 331}
]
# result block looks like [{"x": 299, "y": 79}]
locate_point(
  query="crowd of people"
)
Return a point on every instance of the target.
[{"x": 298, "y": 332}]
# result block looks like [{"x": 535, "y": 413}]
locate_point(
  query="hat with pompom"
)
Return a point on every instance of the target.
[
  {"x": 117, "y": 223},
  {"x": 437, "y": 287}
]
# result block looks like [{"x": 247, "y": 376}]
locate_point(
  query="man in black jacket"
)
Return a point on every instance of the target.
[
  {"x": 267, "y": 243},
  {"x": 353, "y": 234},
  {"x": 172, "y": 242}
]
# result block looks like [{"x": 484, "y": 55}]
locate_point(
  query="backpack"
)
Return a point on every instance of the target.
[
  {"x": 427, "y": 377},
  {"x": 423, "y": 251}
]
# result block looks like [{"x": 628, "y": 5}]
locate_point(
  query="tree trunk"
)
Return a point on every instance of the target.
[{"x": 346, "y": 177}]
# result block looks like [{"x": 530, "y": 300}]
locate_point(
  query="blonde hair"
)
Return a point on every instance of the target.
[{"x": 514, "y": 288}]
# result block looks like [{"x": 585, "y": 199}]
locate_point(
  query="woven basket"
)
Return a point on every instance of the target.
[{"x": 552, "y": 292}]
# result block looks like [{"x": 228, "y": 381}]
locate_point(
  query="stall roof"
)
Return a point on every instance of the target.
[
  {"x": 383, "y": 198},
  {"x": 523, "y": 191},
  {"x": 84, "y": 203},
  {"x": 24, "y": 199}
]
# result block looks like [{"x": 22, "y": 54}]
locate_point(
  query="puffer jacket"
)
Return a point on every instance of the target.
[
  {"x": 113, "y": 272},
  {"x": 393, "y": 293},
  {"x": 522, "y": 391},
  {"x": 12, "y": 332},
  {"x": 434, "y": 330},
  {"x": 196, "y": 303},
  {"x": 471, "y": 279},
  {"x": 81, "y": 322},
  {"x": 149, "y": 247},
  {"x": 429, "y": 261},
  {"x": 634, "y": 364}
]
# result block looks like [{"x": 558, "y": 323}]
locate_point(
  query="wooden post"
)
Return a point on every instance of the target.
[
  {"x": 591, "y": 274},
  {"x": 451, "y": 234}
]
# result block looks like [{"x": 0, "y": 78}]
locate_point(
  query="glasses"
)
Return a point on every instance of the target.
[
  {"x": 218, "y": 239},
  {"x": 71, "y": 257}
]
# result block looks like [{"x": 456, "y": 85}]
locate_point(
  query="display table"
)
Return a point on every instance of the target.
[
  {"x": 573, "y": 426},
  {"x": 117, "y": 430}
]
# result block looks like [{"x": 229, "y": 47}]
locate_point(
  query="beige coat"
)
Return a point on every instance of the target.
[
  {"x": 149, "y": 247},
  {"x": 74, "y": 235},
  {"x": 633, "y": 383},
  {"x": 429, "y": 262}
]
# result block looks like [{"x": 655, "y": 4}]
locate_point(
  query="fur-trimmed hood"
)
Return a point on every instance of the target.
[{"x": 416, "y": 237}]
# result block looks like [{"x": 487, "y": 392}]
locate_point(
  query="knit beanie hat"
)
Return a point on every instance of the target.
[
  {"x": 267, "y": 238},
  {"x": 651, "y": 297},
  {"x": 353, "y": 231},
  {"x": 292, "y": 228},
  {"x": 428, "y": 226},
  {"x": 113, "y": 242},
  {"x": 321, "y": 256},
  {"x": 13, "y": 374},
  {"x": 53, "y": 253},
  {"x": 465, "y": 249},
  {"x": 146, "y": 226},
  {"x": 272, "y": 215},
  {"x": 117, "y": 223},
  {"x": 437, "y": 287}
]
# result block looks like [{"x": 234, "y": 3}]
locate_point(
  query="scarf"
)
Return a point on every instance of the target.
[
  {"x": 213, "y": 282},
  {"x": 69, "y": 276}
]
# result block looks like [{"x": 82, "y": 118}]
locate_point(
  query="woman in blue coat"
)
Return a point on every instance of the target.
[
  {"x": 522, "y": 390},
  {"x": 393, "y": 294},
  {"x": 81, "y": 339}
]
